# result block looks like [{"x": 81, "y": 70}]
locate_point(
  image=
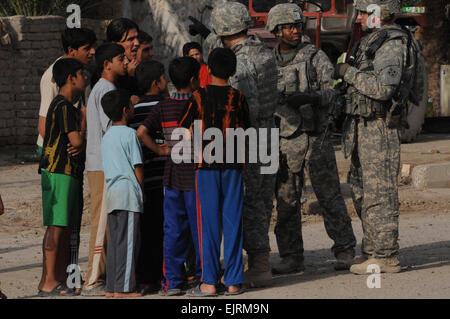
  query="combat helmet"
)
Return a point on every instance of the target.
[
  {"x": 393, "y": 6},
  {"x": 230, "y": 18},
  {"x": 282, "y": 14}
]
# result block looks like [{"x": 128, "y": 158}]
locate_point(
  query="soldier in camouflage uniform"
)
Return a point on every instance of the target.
[
  {"x": 371, "y": 135},
  {"x": 256, "y": 78},
  {"x": 305, "y": 71}
]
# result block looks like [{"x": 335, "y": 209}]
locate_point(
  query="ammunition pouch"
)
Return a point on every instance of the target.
[
  {"x": 308, "y": 118},
  {"x": 365, "y": 107}
]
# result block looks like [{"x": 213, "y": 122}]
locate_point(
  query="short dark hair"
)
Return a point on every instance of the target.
[
  {"x": 146, "y": 73},
  {"x": 77, "y": 37},
  {"x": 191, "y": 45},
  {"x": 113, "y": 103},
  {"x": 65, "y": 67},
  {"x": 119, "y": 27},
  {"x": 144, "y": 37},
  {"x": 222, "y": 62},
  {"x": 106, "y": 52},
  {"x": 182, "y": 69}
]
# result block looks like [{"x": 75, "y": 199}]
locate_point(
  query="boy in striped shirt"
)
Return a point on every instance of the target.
[
  {"x": 179, "y": 196},
  {"x": 152, "y": 82}
]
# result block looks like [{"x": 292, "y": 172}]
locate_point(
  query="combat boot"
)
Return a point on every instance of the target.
[
  {"x": 387, "y": 265},
  {"x": 258, "y": 273},
  {"x": 344, "y": 259},
  {"x": 289, "y": 265}
]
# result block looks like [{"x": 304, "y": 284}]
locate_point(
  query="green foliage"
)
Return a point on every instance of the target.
[{"x": 46, "y": 7}]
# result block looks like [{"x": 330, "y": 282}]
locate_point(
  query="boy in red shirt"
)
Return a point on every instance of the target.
[
  {"x": 194, "y": 50},
  {"x": 218, "y": 181}
]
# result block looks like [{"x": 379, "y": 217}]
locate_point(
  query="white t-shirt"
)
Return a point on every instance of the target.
[{"x": 49, "y": 90}]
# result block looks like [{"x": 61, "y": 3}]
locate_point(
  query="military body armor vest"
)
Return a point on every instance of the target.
[
  {"x": 294, "y": 76},
  {"x": 265, "y": 74},
  {"x": 357, "y": 103}
]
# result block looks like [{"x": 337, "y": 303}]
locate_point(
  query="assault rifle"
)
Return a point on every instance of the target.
[{"x": 338, "y": 104}]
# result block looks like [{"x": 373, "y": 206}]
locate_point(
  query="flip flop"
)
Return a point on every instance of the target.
[
  {"x": 196, "y": 292},
  {"x": 57, "y": 291},
  {"x": 240, "y": 291}
]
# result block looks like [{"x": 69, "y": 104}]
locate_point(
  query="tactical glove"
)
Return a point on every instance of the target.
[
  {"x": 198, "y": 28},
  {"x": 300, "y": 99},
  {"x": 340, "y": 69}
]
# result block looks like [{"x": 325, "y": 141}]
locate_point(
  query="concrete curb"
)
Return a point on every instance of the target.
[{"x": 431, "y": 176}]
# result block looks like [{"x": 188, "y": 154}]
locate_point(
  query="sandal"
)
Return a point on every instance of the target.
[
  {"x": 196, "y": 292},
  {"x": 240, "y": 291},
  {"x": 56, "y": 292}
]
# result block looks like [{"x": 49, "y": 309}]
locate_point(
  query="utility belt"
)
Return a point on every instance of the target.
[
  {"x": 360, "y": 105},
  {"x": 394, "y": 113}
]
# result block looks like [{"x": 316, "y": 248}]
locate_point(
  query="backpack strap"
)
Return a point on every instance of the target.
[{"x": 311, "y": 71}]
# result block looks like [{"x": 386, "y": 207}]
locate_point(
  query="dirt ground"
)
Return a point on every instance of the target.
[{"x": 424, "y": 235}]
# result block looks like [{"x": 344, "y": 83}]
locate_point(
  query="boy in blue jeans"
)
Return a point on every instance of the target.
[
  {"x": 218, "y": 183},
  {"x": 180, "y": 216},
  {"x": 124, "y": 176}
]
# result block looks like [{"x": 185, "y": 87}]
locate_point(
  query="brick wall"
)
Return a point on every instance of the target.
[{"x": 35, "y": 44}]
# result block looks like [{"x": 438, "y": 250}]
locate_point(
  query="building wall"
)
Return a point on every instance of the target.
[
  {"x": 35, "y": 44},
  {"x": 167, "y": 22}
]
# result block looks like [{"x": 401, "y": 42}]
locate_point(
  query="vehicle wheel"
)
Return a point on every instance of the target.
[{"x": 416, "y": 117}]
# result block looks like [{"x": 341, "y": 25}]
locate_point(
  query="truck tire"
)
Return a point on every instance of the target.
[{"x": 416, "y": 117}]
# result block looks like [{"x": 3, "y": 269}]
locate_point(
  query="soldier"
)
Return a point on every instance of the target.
[
  {"x": 371, "y": 135},
  {"x": 255, "y": 76},
  {"x": 305, "y": 92}
]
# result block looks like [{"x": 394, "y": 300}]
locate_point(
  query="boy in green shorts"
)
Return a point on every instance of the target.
[{"x": 62, "y": 174}]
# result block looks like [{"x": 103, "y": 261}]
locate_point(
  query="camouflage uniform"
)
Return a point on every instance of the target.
[
  {"x": 299, "y": 150},
  {"x": 373, "y": 144},
  {"x": 256, "y": 78},
  {"x": 305, "y": 69},
  {"x": 211, "y": 42}
]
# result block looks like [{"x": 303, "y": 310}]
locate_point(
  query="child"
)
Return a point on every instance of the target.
[
  {"x": 152, "y": 82},
  {"x": 111, "y": 63},
  {"x": 219, "y": 188},
  {"x": 179, "y": 195},
  {"x": 77, "y": 44},
  {"x": 61, "y": 174},
  {"x": 194, "y": 50},
  {"x": 124, "y": 175},
  {"x": 145, "y": 51}
]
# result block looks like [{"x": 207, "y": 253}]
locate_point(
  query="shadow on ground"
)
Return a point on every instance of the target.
[{"x": 319, "y": 263}]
